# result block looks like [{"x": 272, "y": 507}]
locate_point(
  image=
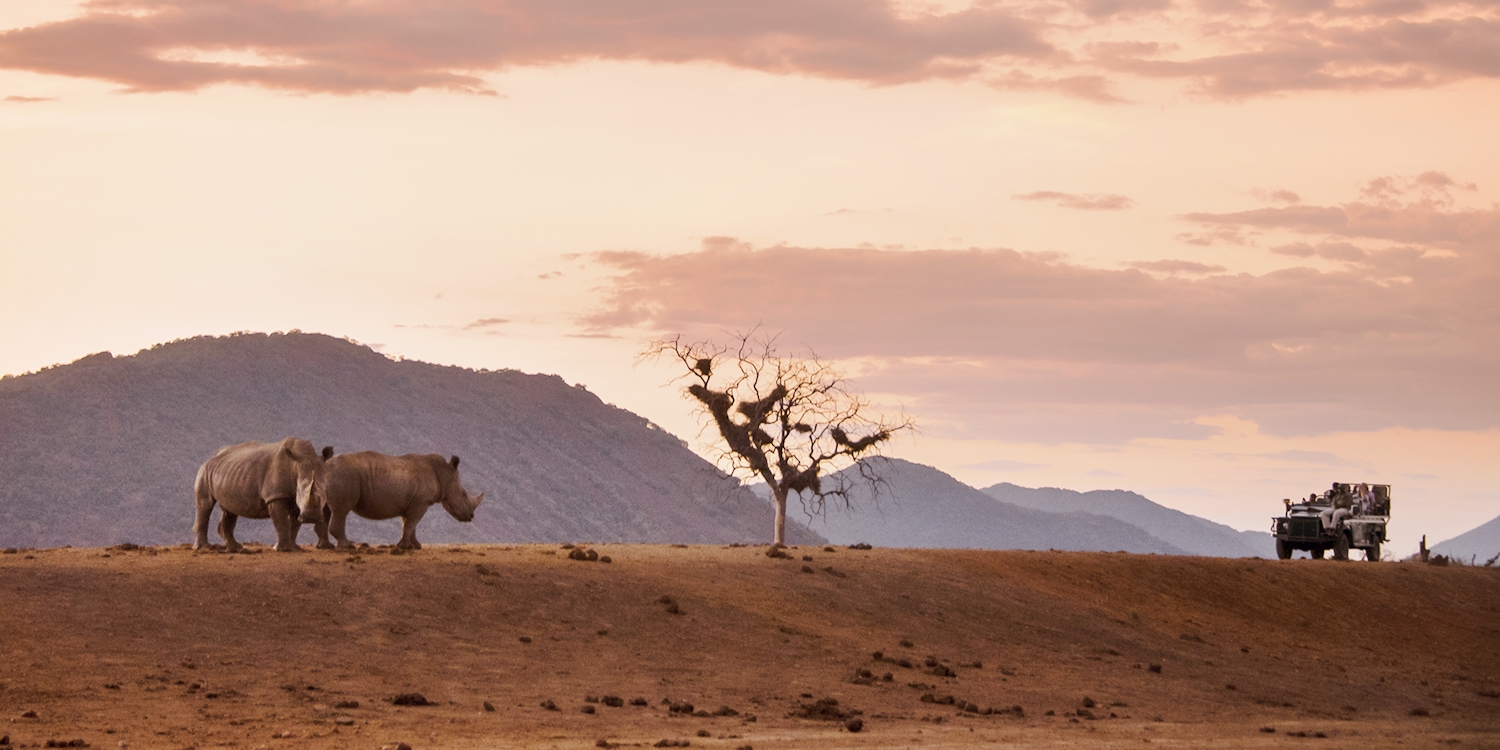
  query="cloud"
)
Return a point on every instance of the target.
[
  {"x": 1080, "y": 202},
  {"x": 1272, "y": 47},
  {"x": 1175, "y": 266},
  {"x": 1002, "y": 465},
  {"x": 28, "y": 99},
  {"x": 349, "y": 46},
  {"x": 486, "y": 323},
  {"x": 1320, "y": 458},
  {"x": 1419, "y": 210},
  {"x": 1226, "y": 49},
  {"x": 1004, "y": 343}
]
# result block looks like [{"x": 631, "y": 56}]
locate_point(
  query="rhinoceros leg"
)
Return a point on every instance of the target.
[
  {"x": 284, "y": 519},
  {"x": 227, "y": 521},
  {"x": 205, "y": 506},
  {"x": 336, "y": 523},
  {"x": 409, "y": 526},
  {"x": 320, "y": 527}
]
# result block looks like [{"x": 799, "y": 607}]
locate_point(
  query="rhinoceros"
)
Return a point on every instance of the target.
[
  {"x": 379, "y": 487},
  {"x": 281, "y": 481}
]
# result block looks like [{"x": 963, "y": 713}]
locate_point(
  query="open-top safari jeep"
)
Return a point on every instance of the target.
[{"x": 1338, "y": 520}]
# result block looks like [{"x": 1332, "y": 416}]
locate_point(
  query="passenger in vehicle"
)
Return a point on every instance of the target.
[{"x": 1342, "y": 500}]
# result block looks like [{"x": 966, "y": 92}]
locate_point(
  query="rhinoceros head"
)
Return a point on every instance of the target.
[
  {"x": 310, "y": 477},
  {"x": 457, "y": 500}
]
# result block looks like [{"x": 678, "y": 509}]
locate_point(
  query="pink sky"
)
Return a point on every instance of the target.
[{"x": 1217, "y": 252}]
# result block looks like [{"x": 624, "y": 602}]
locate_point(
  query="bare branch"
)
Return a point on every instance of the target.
[{"x": 785, "y": 420}]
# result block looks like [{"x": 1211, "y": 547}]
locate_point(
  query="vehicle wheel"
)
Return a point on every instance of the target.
[
  {"x": 1283, "y": 549},
  {"x": 1317, "y": 554},
  {"x": 1373, "y": 553},
  {"x": 1341, "y": 546}
]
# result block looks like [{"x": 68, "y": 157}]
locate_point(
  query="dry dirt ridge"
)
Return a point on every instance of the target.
[{"x": 724, "y": 647}]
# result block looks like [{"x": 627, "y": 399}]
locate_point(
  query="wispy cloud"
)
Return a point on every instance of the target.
[
  {"x": 1319, "y": 458},
  {"x": 1080, "y": 202},
  {"x": 28, "y": 99},
  {"x": 486, "y": 323},
  {"x": 1001, "y": 464},
  {"x": 1175, "y": 266}
]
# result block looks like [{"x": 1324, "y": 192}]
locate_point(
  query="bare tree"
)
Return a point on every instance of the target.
[{"x": 785, "y": 420}]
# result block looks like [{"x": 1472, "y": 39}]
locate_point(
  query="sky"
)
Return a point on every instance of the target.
[{"x": 1217, "y": 252}]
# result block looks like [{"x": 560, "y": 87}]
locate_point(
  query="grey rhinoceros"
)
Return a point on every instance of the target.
[
  {"x": 280, "y": 481},
  {"x": 378, "y": 487}
]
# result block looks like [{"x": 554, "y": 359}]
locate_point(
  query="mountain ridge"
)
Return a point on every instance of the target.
[
  {"x": 1194, "y": 534},
  {"x": 911, "y": 496}
]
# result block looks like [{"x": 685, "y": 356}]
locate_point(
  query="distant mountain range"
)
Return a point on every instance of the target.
[
  {"x": 919, "y": 506},
  {"x": 104, "y": 450},
  {"x": 1475, "y": 546},
  {"x": 1192, "y": 534}
]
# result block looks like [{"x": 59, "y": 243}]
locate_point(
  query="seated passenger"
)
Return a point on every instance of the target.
[{"x": 1335, "y": 515}]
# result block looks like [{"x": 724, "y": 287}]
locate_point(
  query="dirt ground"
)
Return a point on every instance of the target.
[{"x": 165, "y": 647}]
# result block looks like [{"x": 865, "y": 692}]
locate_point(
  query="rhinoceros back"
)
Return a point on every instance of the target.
[
  {"x": 378, "y": 486},
  {"x": 243, "y": 478}
]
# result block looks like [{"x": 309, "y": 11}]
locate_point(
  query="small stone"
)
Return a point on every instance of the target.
[
  {"x": 704, "y": 733},
  {"x": 28, "y": 714},
  {"x": 587, "y": 708},
  {"x": 605, "y": 559},
  {"x": 1154, "y": 668},
  {"x": 344, "y": 721},
  {"x": 489, "y": 707},
  {"x": 855, "y": 724},
  {"x": 526, "y": 639}
]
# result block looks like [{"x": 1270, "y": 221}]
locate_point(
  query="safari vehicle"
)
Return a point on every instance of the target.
[{"x": 1319, "y": 523}]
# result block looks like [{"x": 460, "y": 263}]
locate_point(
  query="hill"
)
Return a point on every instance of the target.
[
  {"x": 919, "y": 506},
  {"x": 1196, "y": 536},
  {"x": 167, "y": 648},
  {"x": 104, "y": 450},
  {"x": 1477, "y": 545}
]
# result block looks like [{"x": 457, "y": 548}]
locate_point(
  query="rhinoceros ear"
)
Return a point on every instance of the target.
[
  {"x": 327, "y": 452},
  {"x": 454, "y": 462}
]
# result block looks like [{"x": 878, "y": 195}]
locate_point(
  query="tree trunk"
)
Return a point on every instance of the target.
[{"x": 780, "y": 497}]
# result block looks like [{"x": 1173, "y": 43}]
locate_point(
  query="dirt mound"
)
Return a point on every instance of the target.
[{"x": 170, "y": 648}]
